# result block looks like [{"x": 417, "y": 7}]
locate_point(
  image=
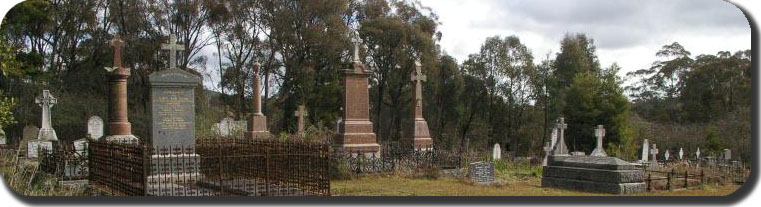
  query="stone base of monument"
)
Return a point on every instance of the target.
[
  {"x": 174, "y": 167},
  {"x": 122, "y": 138},
  {"x": 416, "y": 134},
  {"x": 594, "y": 174},
  {"x": 47, "y": 134},
  {"x": 257, "y": 128}
]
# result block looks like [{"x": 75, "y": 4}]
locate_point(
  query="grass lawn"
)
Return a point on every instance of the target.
[{"x": 400, "y": 186}]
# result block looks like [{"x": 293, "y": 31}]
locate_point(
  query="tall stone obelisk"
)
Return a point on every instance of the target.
[
  {"x": 417, "y": 133},
  {"x": 119, "y": 128},
  {"x": 257, "y": 122},
  {"x": 356, "y": 131}
]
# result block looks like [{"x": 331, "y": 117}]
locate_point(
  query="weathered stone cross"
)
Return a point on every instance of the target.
[
  {"x": 560, "y": 147},
  {"x": 46, "y": 101},
  {"x": 654, "y": 152},
  {"x": 117, "y": 44},
  {"x": 600, "y": 134},
  {"x": 301, "y": 113},
  {"x": 418, "y": 77},
  {"x": 173, "y": 47},
  {"x": 357, "y": 41}
]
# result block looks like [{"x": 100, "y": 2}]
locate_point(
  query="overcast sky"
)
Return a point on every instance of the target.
[{"x": 628, "y": 32}]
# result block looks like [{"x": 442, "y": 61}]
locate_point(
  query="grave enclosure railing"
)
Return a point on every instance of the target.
[
  {"x": 64, "y": 162},
  {"x": 213, "y": 167},
  {"x": 395, "y": 157},
  {"x": 681, "y": 176}
]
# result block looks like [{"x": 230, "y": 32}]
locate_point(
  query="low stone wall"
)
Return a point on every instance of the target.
[{"x": 594, "y": 174}]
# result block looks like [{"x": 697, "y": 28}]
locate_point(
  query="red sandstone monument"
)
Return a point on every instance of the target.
[
  {"x": 356, "y": 130},
  {"x": 119, "y": 128},
  {"x": 257, "y": 122},
  {"x": 417, "y": 133}
]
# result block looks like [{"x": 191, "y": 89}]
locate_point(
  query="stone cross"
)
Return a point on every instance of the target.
[
  {"x": 600, "y": 134},
  {"x": 357, "y": 42},
  {"x": 46, "y": 101},
  {"x": 301, "y": 113},
  {"x": 117, "y": 43},
  {"x": 173, "y": 47},
  {"x": 697, "y": 154},
  {"x": 547, "y": 149},
  {"x": 560, "y": 147},
  {"x": 418, "y": 77}
]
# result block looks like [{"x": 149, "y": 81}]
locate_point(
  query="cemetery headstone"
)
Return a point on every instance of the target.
[
  {"x": 667, "y": 155},
  {"x": 417, "y": 133},
  {"x": 119, "y": 127},
  {"x": 173, "y": 103},
  {"x": 95, "y": 127},
  {"x": 257, "y": 123},
  {"x": 229, "y": 127},
  {"x": 496, "y": 152},
  {"x": 46, "y": 101},
  {"x": 599, "y": 151},
  {"x": 578, "y": 153},
  {"x": 34, "y": 147},
  {"x": 654, "y": 153},
  {"x": 560, "y": 148},
  {"x": 681, "y": 154},
  {"x": 300, "y": 113},
  {"x": 29, "y": 134},
  {"x": 80, "y": 147},
  {"x": 727, "y": 155},
  {"x": 645, "y": 150},
  {"x": 3, "y": 139},
  {"x": 482, "y": 172},
  {"x": 697, "y": 154},
  {"x": 554, "y": 136},
  {"x": 547, "y": 149},
  {"x": 356, "y": 133}
]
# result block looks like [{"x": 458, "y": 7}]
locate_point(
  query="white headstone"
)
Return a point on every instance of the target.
[
  {"x": 80, "y": 146},
  {"x": 496, "y": 152},
  {"x": 645, "y": 150},
  {"x": 697, "y": 154},
  {"x": 681, "y": 154},
  {"x": 666, "y": 155},
  {"x": 547, "y": 149},
  {"x": 727, "y": 154},
  {"x": 599, "y": 151},
  {"x": 35, "y": 146},
  {"x": 560, "y": 147},
  {"x": 554, "y": 137},
  {"x": 229, "y": 127},
  {"x": 3, "y": 140},
  {"x": 95, "y": 127},
  {"x": 46, "y": 101}
]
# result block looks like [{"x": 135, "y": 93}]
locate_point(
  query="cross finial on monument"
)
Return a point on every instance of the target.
[
  {"x": 357, "y": 40},
  {"x": 117, "y": 43},
  {"x": 173, "y": 47},
  {"x": 599, "y": 150},
  {"x": 301, "y": 113},
  {"x": 560, "y": 147},
  {"x": 418, "y": 77}
]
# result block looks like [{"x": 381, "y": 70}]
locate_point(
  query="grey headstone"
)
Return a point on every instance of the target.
[
  {"x": 667, "y": 155},
  {"x": 727, "y": 154},
  {"x": 482, "y": 172},
  {"x": 645, "y": 150},
  {"x": 229, "y": 127},
  {"x": 173, "y": 107},
  {"x": 95, "y": 127},
  {"x": 681, "y": 154},
  {"x": 29, "y": 134}
]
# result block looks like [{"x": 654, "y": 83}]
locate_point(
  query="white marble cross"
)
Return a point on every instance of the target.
[
  {"x": 46, "y": 101},
  {"x": 681, "y": 153},
  {"x": 301, "y": 113},
  {"x": 697, "y": 153},
  {"x": 560, "y": 147},
  {"x": 418, "y": 77},
  {"x": 654, "y": 152},
  {"x": 645, "y": 150},
  {"x": 357, "y": 42},
  {"x": 173, "y": 47},
  {"x": 667, "y": 155},
  {"x": 599, "y": 150}
]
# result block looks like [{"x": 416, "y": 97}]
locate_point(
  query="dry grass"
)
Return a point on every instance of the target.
[
  {"x": 25, "y": 178},
  {"x": 399, "y": 186}
]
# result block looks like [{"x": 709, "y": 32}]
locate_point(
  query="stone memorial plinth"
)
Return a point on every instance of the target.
[
  {"x": 417, "y": 133},
  {"x": 594, "y": 174},
  {"x": 482, "y": 173},
  {"x": 35, "y": 146},
  {"x": 356, "y": 131},
  {"x": 256, "y": 127},
  {"x": 173, "y": 108}
]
